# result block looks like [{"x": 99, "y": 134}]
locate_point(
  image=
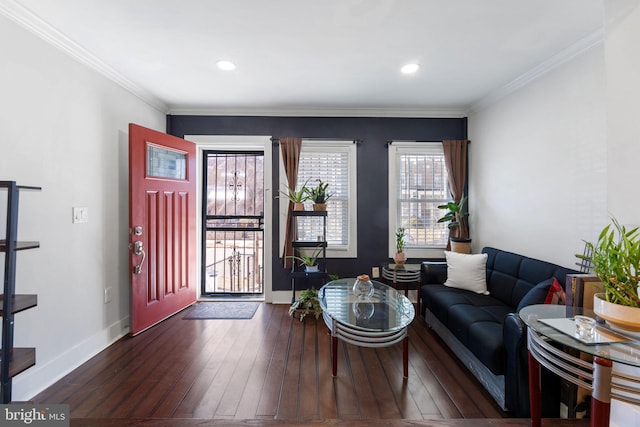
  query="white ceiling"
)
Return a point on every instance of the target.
[{"x": 316, "y": 57}]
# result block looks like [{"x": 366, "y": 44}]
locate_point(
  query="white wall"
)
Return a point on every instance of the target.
[
  {"x": 537, "y": 164},
  {"x": 622, "y": 41},
  {"x": 550, "y": 163},
  {"x": 64, "y": 126},
  {"x": 622, "y": 35}
]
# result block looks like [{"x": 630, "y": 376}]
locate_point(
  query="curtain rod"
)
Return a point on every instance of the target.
[
  {"x": 390, "y": 142},
  {"x": 355, "y": 140}
]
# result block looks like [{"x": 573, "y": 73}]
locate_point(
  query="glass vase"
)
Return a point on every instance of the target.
[{"x": 363, "y": 288}]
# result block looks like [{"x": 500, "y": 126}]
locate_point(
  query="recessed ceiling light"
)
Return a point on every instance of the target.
[
  {"x": 223, "y": 64},
  {"x": 410, "y": 68}
]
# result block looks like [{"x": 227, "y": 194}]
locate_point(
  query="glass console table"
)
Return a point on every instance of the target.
[
  {"x": 552, "y": 347},
  {"x": 378, "y": 321}
]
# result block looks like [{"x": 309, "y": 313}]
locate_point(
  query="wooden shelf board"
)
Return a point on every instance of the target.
[
  {"x": 20, "y": 303},
  {"x": 21, "y": 360},
  {"x": 20, "y": 246}
]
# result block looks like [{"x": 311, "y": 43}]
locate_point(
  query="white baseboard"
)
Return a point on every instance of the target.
[
  {"x": 280, "y": 297},
  {"x": 37, "y": 378}
]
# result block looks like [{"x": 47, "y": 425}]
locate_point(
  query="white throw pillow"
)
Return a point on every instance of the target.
[{"x": 467, "y": 272}]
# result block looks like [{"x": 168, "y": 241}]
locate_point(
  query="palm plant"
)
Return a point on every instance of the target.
[{"x": 456, "y": 212}]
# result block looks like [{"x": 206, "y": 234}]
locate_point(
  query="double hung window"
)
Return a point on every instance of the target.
[
  {"x": 418, "y": 183},
  {"x": 333, "y": 162}
]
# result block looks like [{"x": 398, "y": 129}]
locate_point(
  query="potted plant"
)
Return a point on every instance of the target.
[
  {"x": 297, "y": 197},
  {"x": 309, "y": 261},
  {"x": 455, "y": 215},
  {"x": 615, "y": 258},
  {"x": 307, "y": 303},
  {"x": 319, "y": 195},
  {"x": 400, "y": 258}
]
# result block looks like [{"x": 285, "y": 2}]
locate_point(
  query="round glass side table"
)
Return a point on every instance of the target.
[
  {"x": 551, "y": 338},
  {"x": 395, "y": 274}
]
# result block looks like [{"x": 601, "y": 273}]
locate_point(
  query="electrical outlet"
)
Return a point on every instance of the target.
[
  {"x": 107, "y": 295},
  {"x": 375, "y": 272}
]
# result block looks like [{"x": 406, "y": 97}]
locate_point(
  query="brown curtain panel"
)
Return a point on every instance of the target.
[
  {"x": 290, "y": 149},
  {"x": 455, "y": 158}
]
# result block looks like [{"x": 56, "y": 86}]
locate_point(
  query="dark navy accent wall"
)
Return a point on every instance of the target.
[{"x": 372, "y": 134}]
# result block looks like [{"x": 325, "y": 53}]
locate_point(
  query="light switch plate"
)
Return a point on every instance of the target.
[{"x": 80, "y": 215}]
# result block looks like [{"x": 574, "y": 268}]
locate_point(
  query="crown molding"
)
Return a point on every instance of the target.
[
  {"x": 594, "y": 39},
  {"x": 33, "y": 23},
  {"x": 324, "y": 112}
]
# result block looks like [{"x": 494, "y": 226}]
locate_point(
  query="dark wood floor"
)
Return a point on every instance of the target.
[{"x": 272, "y": 367}]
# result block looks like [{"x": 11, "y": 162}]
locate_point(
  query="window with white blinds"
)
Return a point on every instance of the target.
[
  {"x": 332, "y": 168},
  {"x": 418, "y": 183},
  {"x": 333, "y": 162}
]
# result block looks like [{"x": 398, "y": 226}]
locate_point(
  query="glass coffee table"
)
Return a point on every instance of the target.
[
  {"x": 378, "y": 321},
  {"x": 552, "y": 341}
]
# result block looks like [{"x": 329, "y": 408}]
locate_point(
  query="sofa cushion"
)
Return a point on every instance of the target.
[
  {"x": 537, "y": 295},
  {"x": 475, "y": 319},
  {"x": 466, "y": 271}
]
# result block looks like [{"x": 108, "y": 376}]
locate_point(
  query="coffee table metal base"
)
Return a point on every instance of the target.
[{"x": 365, "y": 339}]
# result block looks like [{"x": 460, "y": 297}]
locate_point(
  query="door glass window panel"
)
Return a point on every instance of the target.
[
  {"x": 166, "y": 163},
  {"x": 235, "y": 184}
]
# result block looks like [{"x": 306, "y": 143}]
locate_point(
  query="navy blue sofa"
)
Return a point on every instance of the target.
[{"x": 485, "y": 332}]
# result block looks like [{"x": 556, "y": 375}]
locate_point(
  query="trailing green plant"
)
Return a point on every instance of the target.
[
  {"x": 456, "y": 212},
  {"x": 319, "y": 193},
  {"x": 306, "y": 304},
  {"x": 297, "y": 196},
  {"x": 615, "y": 258},
  {"x": 400, "y": 239}
]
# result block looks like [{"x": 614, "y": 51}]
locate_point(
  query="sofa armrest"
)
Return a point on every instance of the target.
[
  {"x": 516, "y": 384},
  {"x": 433, "y": 272}
]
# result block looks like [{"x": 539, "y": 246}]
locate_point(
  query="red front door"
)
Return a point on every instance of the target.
[{"x": 162, "y": 224}]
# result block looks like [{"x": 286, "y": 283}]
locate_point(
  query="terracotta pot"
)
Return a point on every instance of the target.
[
  {"x": 619, "y": 316},
  {"x": 319, "y": 206},
  {"x": 400, "y": 258},
  {"x": 298, "y": 206}
]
